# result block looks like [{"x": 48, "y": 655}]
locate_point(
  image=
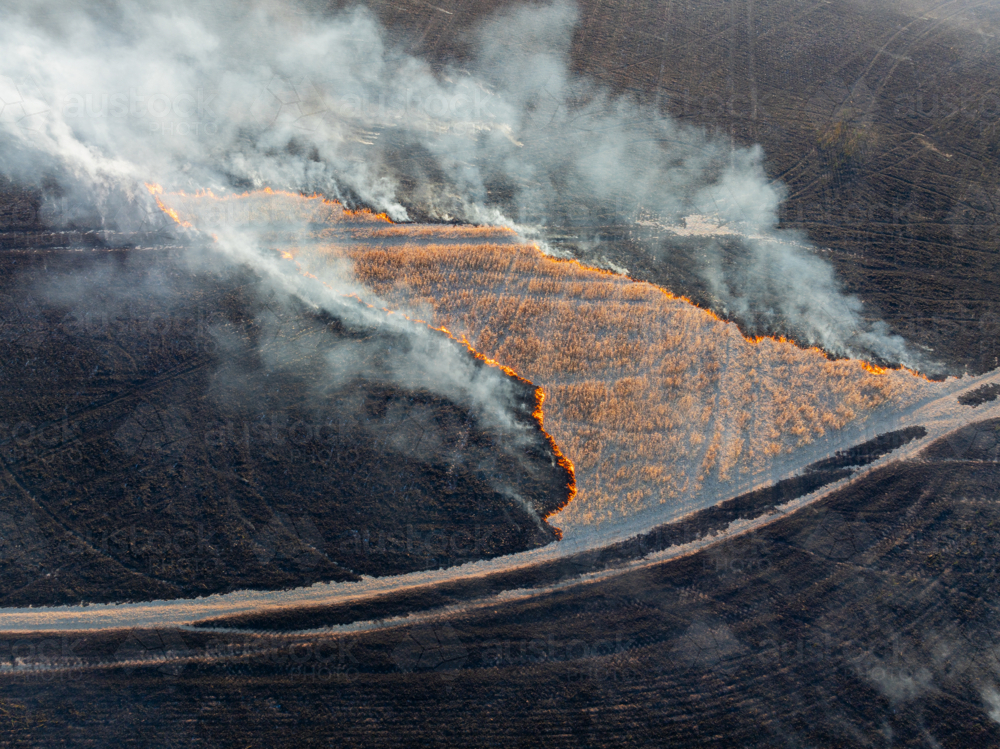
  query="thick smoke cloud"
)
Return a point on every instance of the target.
[
  {"x": 100, "y": 102},
  {"x": 103, "y": 98}
]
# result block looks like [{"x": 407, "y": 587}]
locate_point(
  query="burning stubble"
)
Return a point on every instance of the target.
[{"x": 658, "y": 404}]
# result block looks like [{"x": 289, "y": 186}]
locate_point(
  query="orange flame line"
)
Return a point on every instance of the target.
[
  {"x": 537, "y": 414},
  {"x": 155, "y": 190},
  {"x": 204, "y": 193},
  {"x": 755, "y": 340}
]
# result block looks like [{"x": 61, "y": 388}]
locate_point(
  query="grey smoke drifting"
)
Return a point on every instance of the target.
[{"x": 107, "y": 96}]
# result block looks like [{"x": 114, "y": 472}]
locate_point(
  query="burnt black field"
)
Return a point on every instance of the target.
[
  {"x": 872, "y": 608},
  {"x": 150, "y": 452}
]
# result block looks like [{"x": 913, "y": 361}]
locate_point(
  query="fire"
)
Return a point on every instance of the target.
[
  {"x": 155, "y": 190},
  {"x": 361, "y": 214},
  {"x": 562, "y": 460},
  {"x": 537, "y": 413},
  {"x": 469, "y": 232},
  {"x": 663, "y": 399},
  {"x": 656, "y": 399},
  {"x": 754, "y": 339}
]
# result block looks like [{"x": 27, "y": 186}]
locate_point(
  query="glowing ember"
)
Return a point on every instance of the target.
[
  {"x": 155, "y": 190},
  {"x": 873, "y": 369}
]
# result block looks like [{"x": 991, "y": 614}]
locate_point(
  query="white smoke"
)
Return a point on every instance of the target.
[{"x": 104, "y": 96}]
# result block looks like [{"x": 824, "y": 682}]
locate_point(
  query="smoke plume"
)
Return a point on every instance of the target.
[{"x": 106, "y": 96}]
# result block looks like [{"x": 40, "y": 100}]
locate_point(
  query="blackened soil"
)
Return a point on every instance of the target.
[
  {"x": 168, "y": 432},
  {"x": 868, "y": 614},
  {"x": 980, "y": 395},
  {"x": 870, "y": 451}
]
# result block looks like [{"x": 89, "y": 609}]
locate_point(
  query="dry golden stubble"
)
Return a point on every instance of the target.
[{"x": 651, "y": 397}]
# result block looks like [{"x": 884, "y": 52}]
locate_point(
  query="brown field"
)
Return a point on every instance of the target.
[{"x": 652, "y": 398}]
